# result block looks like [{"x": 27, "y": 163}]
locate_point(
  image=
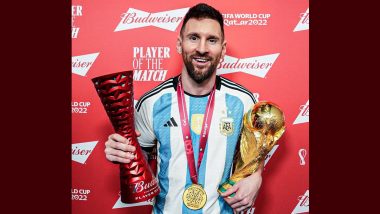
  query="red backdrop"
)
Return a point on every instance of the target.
[{"x": 267, "y": 52}]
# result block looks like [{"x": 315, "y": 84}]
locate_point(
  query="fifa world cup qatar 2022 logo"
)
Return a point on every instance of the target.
[{"x": 137, "y": 182}]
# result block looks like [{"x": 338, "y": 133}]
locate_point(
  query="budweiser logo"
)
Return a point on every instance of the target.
[
  {"x": 303, "y": 116},
  {"x": 303, "y": 24},
  {"x": 168, "y": 20},
  {"x": 270, "y": 154},
  {"x": 305, "y": 18},
  {"x": 81, "y": 64},
  {"x": 256, "y": 66},
  {"x": 303, "y": 204},
  {"x": 141, "y": 186},
  {"x": 120, "y": 204},
  {"x": 81, "y": 151}
]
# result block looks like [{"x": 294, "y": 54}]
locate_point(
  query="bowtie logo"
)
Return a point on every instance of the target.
[
  {"x": 303, "y": 116},
  {"x": 270, "y": 154},
  {"x": 81, "y": 151},
  {"x": 303, "y": 204},
  {"x": 256, "y": 66},
  {"x": 303, "y": 24},
  {"x": 81, "y": 64},
  {"x": 168, "y": 20}
]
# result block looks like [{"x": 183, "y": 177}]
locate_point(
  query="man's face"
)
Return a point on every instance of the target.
[{"x": 202, "y": 46}]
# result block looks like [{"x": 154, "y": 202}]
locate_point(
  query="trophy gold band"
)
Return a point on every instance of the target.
[{"x": 263, "y": 125}]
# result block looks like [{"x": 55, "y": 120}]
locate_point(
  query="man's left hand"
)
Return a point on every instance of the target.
[{"x": 245, "y": 193}]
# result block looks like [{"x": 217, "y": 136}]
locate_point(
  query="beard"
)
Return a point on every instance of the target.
[{"x": 197, "y": 75}]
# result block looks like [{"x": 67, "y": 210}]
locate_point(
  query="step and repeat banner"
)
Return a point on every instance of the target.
[{"x": 267, "y": 52}]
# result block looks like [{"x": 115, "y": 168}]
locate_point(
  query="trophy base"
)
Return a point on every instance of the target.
[{"x": 225, "y": 186}]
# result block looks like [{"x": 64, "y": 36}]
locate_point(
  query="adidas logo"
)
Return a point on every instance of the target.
[{"x": 171, "y": 123}]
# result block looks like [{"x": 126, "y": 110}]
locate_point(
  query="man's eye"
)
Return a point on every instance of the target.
[
  {"x": 193, "y": 38},
  {"x": 212, "y": 41}
]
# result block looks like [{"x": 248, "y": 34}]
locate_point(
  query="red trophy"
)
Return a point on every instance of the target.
[{"x": 137, "y": 182}]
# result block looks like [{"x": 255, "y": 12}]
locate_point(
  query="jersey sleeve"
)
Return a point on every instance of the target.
[
  {"x": 249, "y": 101},
  {"x": 144, "y": 124}
]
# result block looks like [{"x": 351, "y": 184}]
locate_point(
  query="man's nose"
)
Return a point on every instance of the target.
[{"x": 202, "y": 47}]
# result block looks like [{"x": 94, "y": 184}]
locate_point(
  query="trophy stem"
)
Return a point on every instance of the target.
[{"x": 137, "y": 182}]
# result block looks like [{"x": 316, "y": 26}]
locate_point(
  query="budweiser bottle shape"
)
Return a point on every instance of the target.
[{"x": 137, "y": 182}]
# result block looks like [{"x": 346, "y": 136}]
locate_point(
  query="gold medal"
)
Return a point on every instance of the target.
[{"x": 194, "y": 197}]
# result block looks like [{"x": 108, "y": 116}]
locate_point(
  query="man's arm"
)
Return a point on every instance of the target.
[{"x": 245, "y": 190}]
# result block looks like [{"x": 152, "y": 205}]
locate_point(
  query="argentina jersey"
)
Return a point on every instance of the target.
[{"x": 157, "y": 118}]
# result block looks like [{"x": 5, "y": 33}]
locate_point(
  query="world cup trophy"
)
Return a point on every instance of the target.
[
  {"x": 137, "y": 182},
  {"x": 263, "y": 125}
]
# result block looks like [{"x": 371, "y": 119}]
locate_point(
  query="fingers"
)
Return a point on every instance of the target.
[
  {"x": 230, "y": 191},
  {"x": 238, "y": 203},
  {"x": 117, "y": 138},
  {"x": 119, "y": 153},
  {"x": 117, "y": 150},
  {"x": 116, "y": 141},
  {"x": 119, "y": 146},
  {"x": 243, "y": 208},
  {"x": 116, "y": 159},
  {"x": 138, "y": 134},
  {"x": 241, "y": 205}
]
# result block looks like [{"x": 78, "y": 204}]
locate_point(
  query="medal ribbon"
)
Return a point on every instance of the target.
[{"x": 186, "y": 129}]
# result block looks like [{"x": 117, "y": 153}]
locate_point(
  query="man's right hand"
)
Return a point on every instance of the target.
[{"x": 118, "y": 149}]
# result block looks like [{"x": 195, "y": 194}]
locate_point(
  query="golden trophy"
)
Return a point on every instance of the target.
[{"x": 263, "y": 125}]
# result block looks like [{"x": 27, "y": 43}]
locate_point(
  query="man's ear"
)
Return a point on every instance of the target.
[
  {"x": 179, "y": 45},
  {"x": 224, "y": 48}
]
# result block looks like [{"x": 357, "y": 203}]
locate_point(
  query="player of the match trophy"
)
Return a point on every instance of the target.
[
  {"x": 137, "y": 182},
  {"x": 263, "y": 125}
]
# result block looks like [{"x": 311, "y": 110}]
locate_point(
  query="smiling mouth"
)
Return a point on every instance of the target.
[{"x": 201, "y": 60}]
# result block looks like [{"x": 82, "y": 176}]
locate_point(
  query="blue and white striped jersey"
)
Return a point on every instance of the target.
[{"x": 157, "y": 118}]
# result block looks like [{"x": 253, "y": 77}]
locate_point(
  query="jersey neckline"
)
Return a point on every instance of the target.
[{"x": 217, "y": 81}]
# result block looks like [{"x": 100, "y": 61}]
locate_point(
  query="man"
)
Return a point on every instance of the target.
[{"x": 197, "y": 109}]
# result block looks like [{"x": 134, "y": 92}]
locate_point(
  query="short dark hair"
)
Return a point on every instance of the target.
[{"x": 201, "y": 11}]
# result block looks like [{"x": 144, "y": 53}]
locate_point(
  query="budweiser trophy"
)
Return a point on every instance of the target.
[
  {"x": 137, "y": 182},
  {"x": 263, "y": 125}
]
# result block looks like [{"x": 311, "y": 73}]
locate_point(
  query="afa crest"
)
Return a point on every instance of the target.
[
  {"x": 226, "y": 126},
  {"x": 196, "y": 123}
]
